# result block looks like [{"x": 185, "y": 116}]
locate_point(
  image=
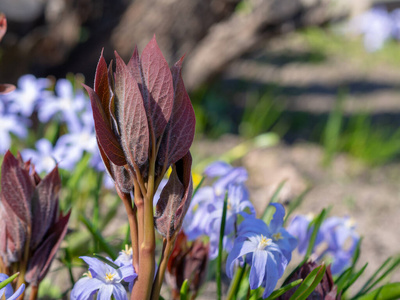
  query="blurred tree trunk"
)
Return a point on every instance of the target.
[{"x": 214, "y": 33}]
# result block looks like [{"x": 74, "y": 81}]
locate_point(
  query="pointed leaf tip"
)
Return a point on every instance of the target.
[{"x": 105, "y": 135}]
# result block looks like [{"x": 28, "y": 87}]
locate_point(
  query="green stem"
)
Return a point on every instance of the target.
[
  {"x": 235, "y": 285},
  {"x": 219, "y": 258}
]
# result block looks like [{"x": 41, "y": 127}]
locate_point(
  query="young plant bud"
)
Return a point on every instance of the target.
[
  {"x": 187, "y": 262},
  {"x": 142, "y": 114},
  {"x": 325, "y": 289},
  {"x": 31, "y": 225},
  {"x": 175, "y": 198}
]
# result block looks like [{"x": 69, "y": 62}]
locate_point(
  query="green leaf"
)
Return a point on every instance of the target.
[
  {"x": 98, "y": 237},
  {"x": 293, "y": 205},
  {"x": 284, "y": 289},
  {"x": 317, "y": 224},
  {"x": 353, "y": 279},
  {"x": 106, "y": 261},
  {"x": 309, "y": 284},
  {"x": 340, "y": 282},
  {"x": 390, "y": 291},
  {"x": 235, "y": 283},
  {"x": 219, "y": 258},
  {"x": 184, "y": 290},
  {"x": 270, "y": 210},
  {"x": 8, "y": 280},
  {"x": 198, "y": 186},
  {"x": 371, "y": 282}
]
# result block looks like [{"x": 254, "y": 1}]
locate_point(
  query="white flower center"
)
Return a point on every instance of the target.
[
  {"x": 264, "y": 242},
  {"x": 109, "y": 277}
]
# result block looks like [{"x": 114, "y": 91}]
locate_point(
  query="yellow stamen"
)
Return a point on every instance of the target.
[
  {"x": 88, "y": 274},
  {"x": 109, "y": 277},
  {"x": 128, "y": 250},
  {"x": 277, "y": 236},
  {"x": 264, "y": 242},
  {"x": 350, "y": 223}
]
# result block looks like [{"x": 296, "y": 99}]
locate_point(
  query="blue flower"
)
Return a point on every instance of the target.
[
  {"x": 238, "y": 203},
  {"x": 103, "y": 279},
  {"x": 299, "y": 227},
  {"x": 198, "y": 217},
  {"x": 285, "y": 241},
  {"x": 226, "y": 175},
  {"x": 45, "y": 157},
  {"x": 264, "y": 256},
  {"x": 8, "y": 292},
  {"x": 124, "y": 259},
  {"x": 30, "y": 92},
  {"x": 10, "y": 124},
  {"x": 341, "y": 238},
  {"x": 67, "y": 104}
]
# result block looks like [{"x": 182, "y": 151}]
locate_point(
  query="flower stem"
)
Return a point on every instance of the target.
[
  {"x": 131, "y": 212},
  {"x": 234, "y": 288},
  {"x": 167, "y": 250},
  {"x": 34, "y": 292}
]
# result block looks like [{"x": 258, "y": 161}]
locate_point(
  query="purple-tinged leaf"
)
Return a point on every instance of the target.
[
  {"x": 105, "y": 136},
  {"x": 6, "y": 88},
  {"x": 179, "y": 134},
  {"x": 3, "y": 25},
  {"x": 44, "y": 206},
  {"x": 43, "y": 256},
  {"x": 134, "y": 67},
  {"x": 158, "y": 91},
  {"x": 16, "y": 188},
  {"x": 175, "y": 198},
  {"x": 123, "y": 178},
  {"x": 15, "y": 234},
  {"x": 101, "y": 86},
  {"x": 132, "y": 118}
]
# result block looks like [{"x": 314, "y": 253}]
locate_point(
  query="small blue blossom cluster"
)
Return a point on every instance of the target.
[
  {"x": 66, "y": 106},
  {"x": 7, "y": 291},
  {"x": 377, "y": 26},
  {"x": 336, "y": 239},
  {"x": 106, "y": 280},
  {"x": 266, "y": 248}
]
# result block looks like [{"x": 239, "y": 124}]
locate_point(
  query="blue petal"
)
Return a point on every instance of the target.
[
  {"x": 241, "y": 247},
  {"x": 128, "y": 273},
  {"x": 85, "y": 287},
  {"x": 119, "y": 292},
  {"x": 217, "y": 169},
  {"x": 257, "y": 271},
  {"x": 7, "y": 290},
  {"x": 277, "y": 220},
  {"x": 17, "y": 293},
  {"x": 96, "y": 266},
  {"x": 271, "y": 277},
  {"x": 253, "y": 225},
  {"x": 105, "y": 292}
]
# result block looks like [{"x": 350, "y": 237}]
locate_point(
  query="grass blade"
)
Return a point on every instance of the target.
[
  {"x": 390, "y": 291},
  {"x": 295, "y": 204},
  {"x": 98, "y": 237},
  {"x": 219, "y": 258},
  {"x": 184, "y": 291},
  {"x": 8, "y": 280},
  {"x": 284, "y": 289},
  {"x": 270, "y": 210},
  {"x": 354, "y": 278},
  {"x": 309, "y": 284},
  {"x": 106, "y": 261}
]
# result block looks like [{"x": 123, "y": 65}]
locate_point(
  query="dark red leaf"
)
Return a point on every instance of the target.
[
  {"x": 44, "y": 205},
  {"x": 43, "y": 256},
  {"x": 158, "y": 93},
  {"x": 132, "y": 119},
  {"x": 179, "y": 134},
  {"x": 6, "y": 88},
  {"x": 123, "y": 178},
  {"x": 105, "y": 136},
  {"x": 16, "y": 188},
  {"x": 101, "y": 86},
  {"x": 175, "y": 198},
  {"x": 3, "y": 25}
]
